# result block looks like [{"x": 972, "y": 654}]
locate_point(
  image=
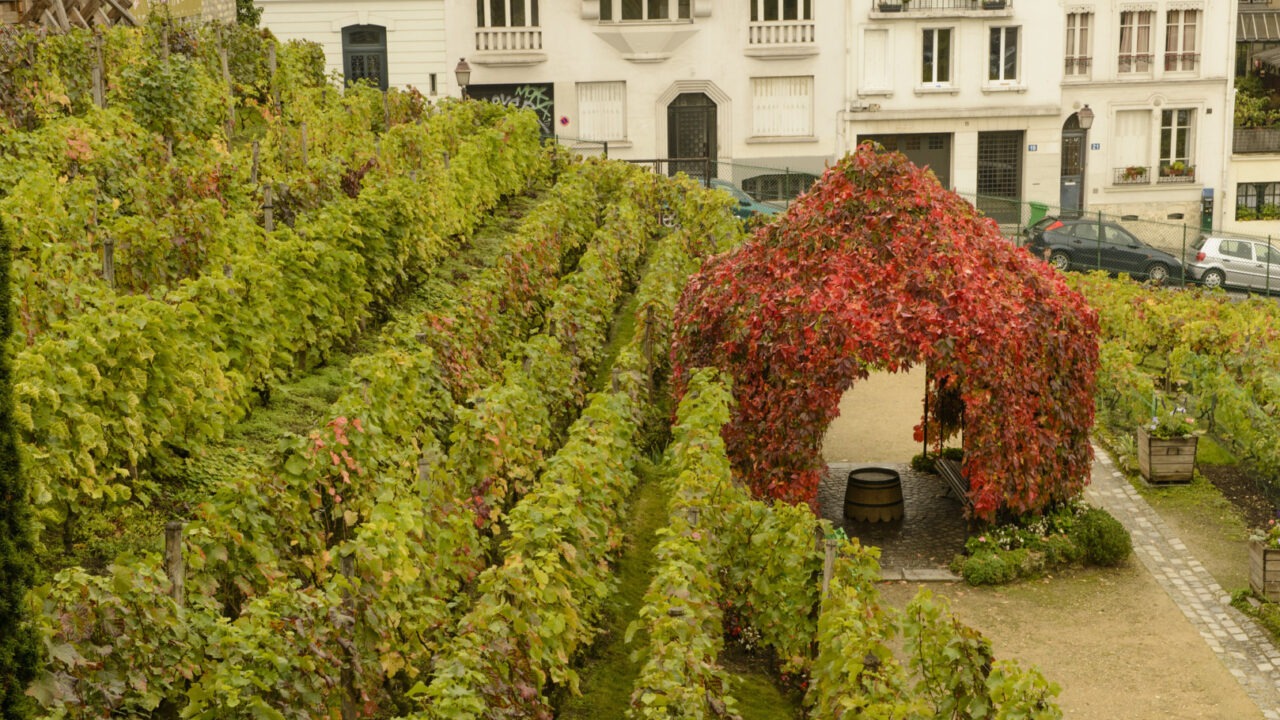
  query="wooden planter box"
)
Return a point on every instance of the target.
[
  {"x": 1171, "y": 460},
  {"x": 1264, "y": 570}
]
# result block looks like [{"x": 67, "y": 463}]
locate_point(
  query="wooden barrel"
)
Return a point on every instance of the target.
[{"x": 874, "y": 495}]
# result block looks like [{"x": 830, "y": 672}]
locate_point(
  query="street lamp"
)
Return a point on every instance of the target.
[
  {"x": 463, "y": 73},
  {"x": 1085, "y": 117}
]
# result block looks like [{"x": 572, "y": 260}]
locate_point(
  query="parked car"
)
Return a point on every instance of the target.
[
  {"x": 1089, "y": 244},
  {"x": 747, "y": 207},
  {"x": 1237, "y": 262}
]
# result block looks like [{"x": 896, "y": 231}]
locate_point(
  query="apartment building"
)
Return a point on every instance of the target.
[{"x": 1119, "y": 106}]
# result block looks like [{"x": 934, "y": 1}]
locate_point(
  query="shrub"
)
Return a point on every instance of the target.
[
  {"x": 994, "y": 568},
  {"x": 1071, "y": 534},
  {"x": 1103, "y": 538},
  {"x": 923, "y": 462}
]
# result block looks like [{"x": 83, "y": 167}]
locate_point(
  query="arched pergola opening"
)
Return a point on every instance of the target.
[{"x": 879, "y": 267}]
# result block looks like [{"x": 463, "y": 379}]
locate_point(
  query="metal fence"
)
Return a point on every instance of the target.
[{"x": 774, "y": 187}]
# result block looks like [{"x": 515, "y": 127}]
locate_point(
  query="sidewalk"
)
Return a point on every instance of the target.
[{"x": 1244, "y": 648}]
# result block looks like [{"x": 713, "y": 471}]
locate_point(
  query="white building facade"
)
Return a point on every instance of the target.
[
  {"x": 987, "y": 93},
  {"x": 755, "y": 82}
]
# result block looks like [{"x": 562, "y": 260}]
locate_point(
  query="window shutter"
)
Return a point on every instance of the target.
[
  {"x": 782, "y": 106},
  {"x": 1133, "y": 138},
  {"x": 602, "y": 110},
  {"x": 875, "y": 60}
]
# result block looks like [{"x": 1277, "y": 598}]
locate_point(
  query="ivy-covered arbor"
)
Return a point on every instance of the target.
[{"x": 879, "y": 267}]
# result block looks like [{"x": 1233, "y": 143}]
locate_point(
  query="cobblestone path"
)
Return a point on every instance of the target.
[{"x": 1242, "y": 646}]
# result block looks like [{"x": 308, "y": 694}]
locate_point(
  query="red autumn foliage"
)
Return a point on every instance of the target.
[{"x": 879, "y": 267}]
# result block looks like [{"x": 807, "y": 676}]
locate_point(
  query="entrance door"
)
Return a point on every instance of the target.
[
  {"x": 691, "y": 133},
  {"x": 1071, "y": 195}
]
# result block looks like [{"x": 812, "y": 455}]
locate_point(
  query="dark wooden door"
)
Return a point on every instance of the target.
[
  {"x": 1071, "y": 195},
  {"x": 691, "y": 133}
]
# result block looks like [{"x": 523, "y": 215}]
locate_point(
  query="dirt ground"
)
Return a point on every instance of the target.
[{"x": 1112, "y": 639}]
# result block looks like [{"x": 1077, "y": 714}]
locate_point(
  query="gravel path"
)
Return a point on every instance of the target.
[{"x": 1134, "y": 658}]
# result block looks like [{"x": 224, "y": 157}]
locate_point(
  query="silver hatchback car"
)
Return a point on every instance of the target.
[{"x": 1227, "y": 261}]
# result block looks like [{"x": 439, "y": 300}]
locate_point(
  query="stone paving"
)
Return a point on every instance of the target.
[
  {"x": 921, "y": 545},
  {"x": 1242, "y": 646}
]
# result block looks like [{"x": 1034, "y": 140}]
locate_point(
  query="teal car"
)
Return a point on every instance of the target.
[{"x": 747, "y": 207}]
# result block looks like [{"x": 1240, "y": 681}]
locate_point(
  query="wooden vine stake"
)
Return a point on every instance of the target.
[
  {"x": 109, "y": 261},
  {"x": 174, "y": 566},
  {"x": 271, "y": 73},
  {"x": 350, "y": 711},
  {"x": 268, "y": 210},
  {"x": 99, "y": 72},
  {"x": 828, "y": 565},
  {"x": 231, "y": 92}
]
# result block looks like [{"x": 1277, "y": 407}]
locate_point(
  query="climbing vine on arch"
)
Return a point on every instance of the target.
[{"x": 879, "y": 267}]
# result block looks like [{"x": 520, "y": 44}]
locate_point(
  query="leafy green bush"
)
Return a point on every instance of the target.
[
  {"x": 991, "y": 568},
  {"x": 1071, "y": 534},
  {"x": 1104, "y": 539},
  {"x": 924, "y": 462}
]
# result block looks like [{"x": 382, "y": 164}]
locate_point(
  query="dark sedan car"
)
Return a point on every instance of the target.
[{"x": 1089, "y": 244}]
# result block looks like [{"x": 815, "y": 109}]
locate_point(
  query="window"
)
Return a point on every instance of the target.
[
  {"x": 628, "y": 10},
  {"x": 364, "y": 55},
  {"x": 1180, "y": 41},
  {"x": 936, "y": 57},
  {"x": 1078, "y": 54},
  {"x": 1135, "y": 41},
  {"x": 775, "y": 10},
  {"x": 602, "y": 110},
  {"x": 782, "y": 107},
  {"x": 507, "y": 13},
  {"x": 1175, "y": 143},
  {"x": 1002, "y": 55},
  {"x": 1258, "y": 201}
]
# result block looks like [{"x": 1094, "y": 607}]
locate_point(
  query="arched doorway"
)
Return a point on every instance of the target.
[
  {"x": 1071, "y": 195},
  {"x": 691, "y": 133}
]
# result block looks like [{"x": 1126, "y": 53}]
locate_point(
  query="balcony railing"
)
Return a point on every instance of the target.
[
  {"x": 784, "y": 32},
  {"x": 1132, "y": 175},
  {"x": 1181, "y": 62},
  {"x": 1175, "y": 174},
  {"x": 514, "y": 39},
  {"x": 886, "y": 6},
  {"x": 1256, "y": 140},
  {"x": 1077, "y": 65},
  {"x": 1135, "y": 62}
]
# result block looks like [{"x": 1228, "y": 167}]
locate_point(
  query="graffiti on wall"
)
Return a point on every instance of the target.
[{"x": 538, "y": 97}]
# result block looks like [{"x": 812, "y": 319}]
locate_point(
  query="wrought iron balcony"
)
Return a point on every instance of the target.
[
  {"x": 1132, "y": 175},
  {"x": 1177, "y": 173},
  {"x": 938, "y": 8}
]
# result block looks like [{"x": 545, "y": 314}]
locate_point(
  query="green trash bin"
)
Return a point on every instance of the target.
[{"x": 1038, "y": 211}]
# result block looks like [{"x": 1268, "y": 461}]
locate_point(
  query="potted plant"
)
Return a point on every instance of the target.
[
  {"x": 993, "y": 4},
  {"x": 1177, "y": 168},
  {"x": 1167, "y": 447},
  {"x": 1134, "y": 173},
  {"x": 891, "y": 5},
  {"x": 1264, "y": 562}
]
